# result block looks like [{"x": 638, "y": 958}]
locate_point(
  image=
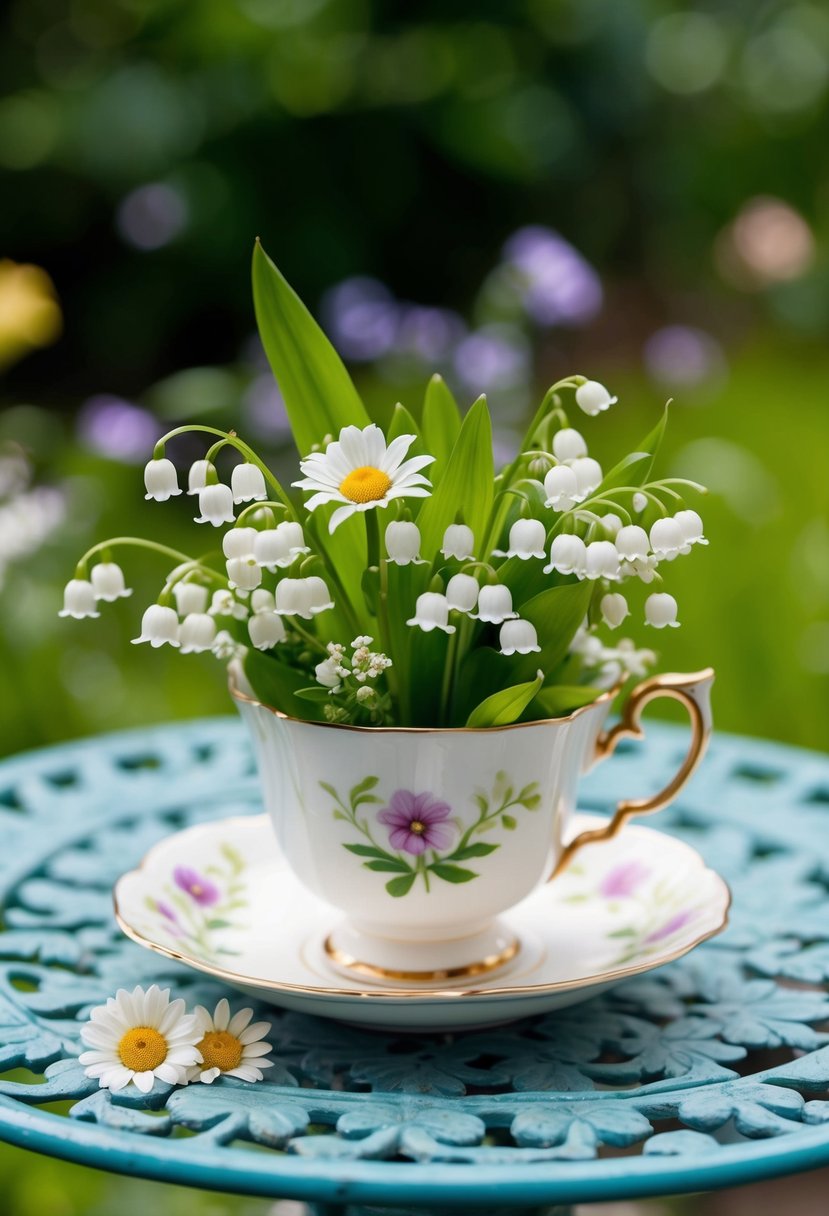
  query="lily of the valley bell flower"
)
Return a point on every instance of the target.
[
  {"x": 247, "y": 483},
  {"x": 161, "y": 480},
  {"x": 518, "y": 637},
  {"x": 562, "y": 488},
  {"x": 602, "y": 561},
  {"x": 527, "y": 538},
  {"x": 588, "y": 474},
  {"x": 432, "y": 612},
  {"x": 668, "y": 540},
  {"x": 462, "y": 592},
  {"x": 262, "y": 600},
  {"x": 79, "y": 599},
  {"x": 568, "y": 444},
  {"x": 661, "y": 610},
  {"x": 403, "y": 543},
  {"x": 197, "y": 633},
  {"x": 215, "y": 505},
  {"x": 190, "y": 597},
  {"x": 239, "y": 542},
  {"x": 614, "y": 609},
  {"x": 159, "y": 626},
  {"x": 272, "y": 551},
  {"x": 691, "y": 524},
  {"x": 108, "y": 580},
  {"x": 197, "y": 477},
  {"x": 266, "y": 629},
  {"x": 243, "y": 574},
  {"x": 458, "y": 542},
  {"x": 632, "y": 543},
  {"x": 495, "y": 604},
  {"x": 303, "y": 597},
  {"x": 592, "y": 397},
  {"x": 568, "y": 555},
  {"x": 224, "y": 603},
  {"x": 326, "y": 673}
]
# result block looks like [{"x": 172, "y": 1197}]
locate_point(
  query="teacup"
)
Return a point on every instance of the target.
[{"x": 422, "y": 837}]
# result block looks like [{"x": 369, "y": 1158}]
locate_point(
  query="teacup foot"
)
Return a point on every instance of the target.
[{"x": 354, "y": 952}]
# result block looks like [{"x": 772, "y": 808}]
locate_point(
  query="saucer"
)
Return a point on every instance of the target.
[{"x": 221, "y": 898}]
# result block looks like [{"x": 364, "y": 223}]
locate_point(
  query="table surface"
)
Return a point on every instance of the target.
[{"x": 709, "y": 1072}]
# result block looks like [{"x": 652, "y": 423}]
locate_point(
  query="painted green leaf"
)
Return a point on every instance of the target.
[
  {"x": 362, "y": 787},
  {"x": 388, "y": 866},
  {"x": 451, "y": 873},
  {"x": 441, "y": 423},
  {"x": 556, "y": 614},
  {"x": 635, "y": 469},
  {"x": 502, "y": 708},
  {"x": 509, "y": 822},
  {"x": 365, "y": 850},
  {"x": 319, "y": 395},
  {"x": 218, "y": 922},
  {"x": 400, "y": 886},
  {"x": 474, "y": 850},
  {"x": 465, "y": 488}
]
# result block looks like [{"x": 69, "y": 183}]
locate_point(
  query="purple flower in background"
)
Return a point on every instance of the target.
[
  {"x": 117, "y": 428},
  {"x": 623, "y": 879},
  {"x": 417, "y": 822},
  {"x": 362, "y": 317},
  {"x": 200, "y": 889},
  {"x": 681, "y": 356},
  {"x": 561, "y": 287},
  {"x": 676, "y": 922}
]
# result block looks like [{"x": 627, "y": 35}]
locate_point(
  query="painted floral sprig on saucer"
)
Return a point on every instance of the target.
[{"x": 472, "y": 596}]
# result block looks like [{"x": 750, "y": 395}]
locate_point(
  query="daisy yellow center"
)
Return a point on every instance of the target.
[
  {"x": 142, "y": 1049},
  {"x": 366, "y": 484},
  {"x": 220, "y": 1050},
  {"x": 417, "y": 827}
]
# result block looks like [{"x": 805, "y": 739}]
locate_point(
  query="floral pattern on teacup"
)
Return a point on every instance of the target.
[
  {"x": 195, "y": 905},
  {"x": 426, "y": 840}
]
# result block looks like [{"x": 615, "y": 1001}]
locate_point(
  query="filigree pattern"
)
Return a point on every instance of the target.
[{"x": 691, "y": 1065}]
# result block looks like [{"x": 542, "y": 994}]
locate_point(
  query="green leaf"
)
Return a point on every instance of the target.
[
  {"x": 312, "y": 694},
  {"x": 474, "y": 850},
  {"x": 502, "y": 708},
  {"x": 561, "y": 699},
  {"x": 556, "y": 614},
  {"x": 402, "y": 423},
  {"x": 636, "y": 468},
  {"x": 218, "y": 922},
  {"x": 509, "y": 822},
  {"x": 400, "y": 886},
  {"x": 451, "y": 873},
  {"x": 465, "y": 488},
  {"x": 441, "y": 424},
  {"x": 362, "y": 787},
  {"x": 388, "y": 867},
  {"x": 277, "y": 685},
  {"x": 318, "y": 392},
  {"x": 365, "y": 850}
]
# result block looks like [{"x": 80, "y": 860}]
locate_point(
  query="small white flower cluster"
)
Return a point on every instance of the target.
[
  {"x": 142, "y": 1035},
  {"x": 612, "y": 663},
  {"x": 363, "y": 665},
  {"x": 30, "y": 515},
  {"x": 216, "y": 500}
]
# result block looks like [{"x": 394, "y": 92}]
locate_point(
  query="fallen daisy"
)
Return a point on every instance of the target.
[
  {"x": 233, "y": 1046},
  {"x": 138, "y": 1036}
]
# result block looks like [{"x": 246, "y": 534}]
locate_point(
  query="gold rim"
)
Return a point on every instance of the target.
[
  {"x": 468, "y": 971},
  {"x": 386, "y": 994},
  {"x": 238, "y": 695}
]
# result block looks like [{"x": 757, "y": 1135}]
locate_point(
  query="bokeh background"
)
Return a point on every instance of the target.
[{"x": 633, "y": 189}]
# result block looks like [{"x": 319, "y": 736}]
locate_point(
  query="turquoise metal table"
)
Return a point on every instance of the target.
[{"x": 710, "y": 1072}]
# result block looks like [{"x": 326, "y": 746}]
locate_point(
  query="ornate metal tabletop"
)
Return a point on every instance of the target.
[{"x": 709, "y": 1072}]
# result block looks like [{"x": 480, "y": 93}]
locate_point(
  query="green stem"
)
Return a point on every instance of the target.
[
  {"x": 448, "y": 673},
  {"x": 137, "y": 542},
  {"x": 313, "y": 642},
  {"x": 227, "y": 437}
]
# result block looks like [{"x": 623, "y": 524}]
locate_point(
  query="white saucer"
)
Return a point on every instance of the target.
[{"x": 220, "y": 897}]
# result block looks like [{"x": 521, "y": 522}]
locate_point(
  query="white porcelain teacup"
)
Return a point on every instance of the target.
[{"x": 422, "y": 837}]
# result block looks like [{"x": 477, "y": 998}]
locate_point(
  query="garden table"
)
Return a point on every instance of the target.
[{"x": 709, "y": 1072}]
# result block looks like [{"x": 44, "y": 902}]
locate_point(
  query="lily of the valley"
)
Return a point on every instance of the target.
[
  {"x": 668, "y": 539},
  {"x": 458, "y": 542},
  {"x": 588, "y": 474},
  {"x": 197, "y": 477},
  {"x": 568, "y": 555},
  {"x": 632, "y": 543},
  {"x": 243, "y": 573},
  {"x": 161, "y": 480},
  {"x": 360, "y": 471},
  {"x": 239, "y": 542},
  {"x": 691, "y": 524},
  {"x": 79, "y": 599},
  {"x": 190, "y": 597},
  {"x": 495, "y": 605},
  {"x": 527, "y": 538},
  {"x": 614, "y": 609},
  {"x": 107, "y": 579},
  {"x": 592, "y": 397},
  {"x": 568, "y": 444},
  {"x": 561, "y": 488},
  {"x": 602, "y": 561},
  {"x": 159, "y": 627},
  {"x": 518, "y": 637},
  {"x": 328, "y": 674},
  {"x": 215, "y": 505},
  {"x": 265, "y": 628},
  {"x": 303, "y": 597},
  {"x": 661, "y": 611},
  {"x": 403, "y": 543},
  {"x": 197, "y": 633},
  {"x": 224, "y": 603},
  {"x": 432, "y": 612},
  {"x": 247, "y": 483},
  {"x": 462, "y": 592}
]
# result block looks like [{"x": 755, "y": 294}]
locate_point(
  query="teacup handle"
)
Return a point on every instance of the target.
[{"x": 694, "y": 692}]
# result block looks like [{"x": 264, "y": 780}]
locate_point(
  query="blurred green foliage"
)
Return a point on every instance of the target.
[{"x": 144, "y": 143}]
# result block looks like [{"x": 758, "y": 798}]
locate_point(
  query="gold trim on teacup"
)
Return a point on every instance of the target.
[
  {"x": 466, "y": 972},
  {"x": 395, "y": 994}
]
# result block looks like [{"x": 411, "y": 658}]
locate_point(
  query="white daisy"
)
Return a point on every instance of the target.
[
  {"x": 138, "y": 1036},
  {"x": 359, "y": 470},
  {"x": 230, "y": 1045}
]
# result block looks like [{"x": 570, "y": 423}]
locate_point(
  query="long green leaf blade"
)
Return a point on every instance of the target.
[
  {"x": 507, "y": 706},
  {"x": 441, "y": 423},
  {"x": 465, "y": 489}
]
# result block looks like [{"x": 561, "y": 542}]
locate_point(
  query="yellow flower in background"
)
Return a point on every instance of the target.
[{"x": 30, "y": 314}]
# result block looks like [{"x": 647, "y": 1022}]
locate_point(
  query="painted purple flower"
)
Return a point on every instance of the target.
[
  {"x": 623, "y": 879},
  {"x": 166, "y": 911},
  {"x": 202, "y": 890},
  {"x": 676, "y": 922},
  {"x": 417, "y": 822}
]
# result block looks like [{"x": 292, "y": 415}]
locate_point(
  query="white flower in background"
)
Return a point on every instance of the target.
[
  {"x": 161, "y": 480},
  {"x": 327, "y": 673},
  {"x": 215, "y": 505},
  {"x": 593, "y": 398},
  {"x": 197, "y": 477},
  {"x": 138, "y": 1036},
  {"x": 292, "y": 532},
  {"x": 359, "y": 470},
  {"x": 462, "y": 592},
  {"x": 568, "y": 555},
  {"x": 562, "y": 488},
  {"x": 602, "y": 561},
  {"x": 159, "y": 627},
  {"x": 303, "y": 597},
  {"x": 614, "y": 609},
  {"x": 432, "y": 612},
  {"x": 190, "y": 597},
  {"x": 691, "y": 524},
  {"x": 588, "y": 475},
  {"x": 612, "y": 524},
  {"x": 366, "y": 664},
  {"x": 640, "y": 501},
  {"x": 247, "y": 483},
  {"x": 262, "y": 600},
  {"x": 272, "y": 551},
  {"x": 623, "y": 660},
  {"x": 107, "y": 578},
  {"x": 518, "y": 637},
  {"x": 227, "y": 648},
  {"x": 458, "y": 542},
  {"x": 527, "y": 538},
  {"x": 642, "y": 568},
  {"x": 79, "y": 599},
  {"x": 239, "y": 542},
  {"x": 568, "y": 444},
  {"x": 197, "y": 633},
  {"x": 587, "y": 646},
  {"x": 232, "y": 1046},
  {"x": 225, "y": 603},
  {"x": 403, "y": 543},
  {"x": 667, "y": 540},
  {"x": 661, "y": 610},
  {"x": 632, "y": 543},
  {"x": 243, "y": 574},
  {"x": 266, "y": 629},
  {"x": 495, "y": 605}
]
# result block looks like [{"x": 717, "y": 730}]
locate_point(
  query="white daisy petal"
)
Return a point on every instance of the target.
[
  {"x": 257, "y": 1031},
  {"x": 143, "y": 1081},
  {"x": 394, "y": 455},
  {"x": 257, "y": 1049},
  {"x": 245, "y": 1072},
  {"x": 117, "y": 1078},
  {"x": 209, "y": 1075},
  {"x": 240, "y": 1020},
  {"x": 341, "y": 514},
  {"x": 97, "y": 1057},
  {"x": 221, "y": 1014},
  {"x": 169, "y": 1073}
]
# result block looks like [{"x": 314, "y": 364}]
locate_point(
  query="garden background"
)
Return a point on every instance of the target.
[{"x": 507, "y": 193}]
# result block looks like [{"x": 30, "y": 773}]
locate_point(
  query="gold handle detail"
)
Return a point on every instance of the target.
[{"x": 692, "y": 691}]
